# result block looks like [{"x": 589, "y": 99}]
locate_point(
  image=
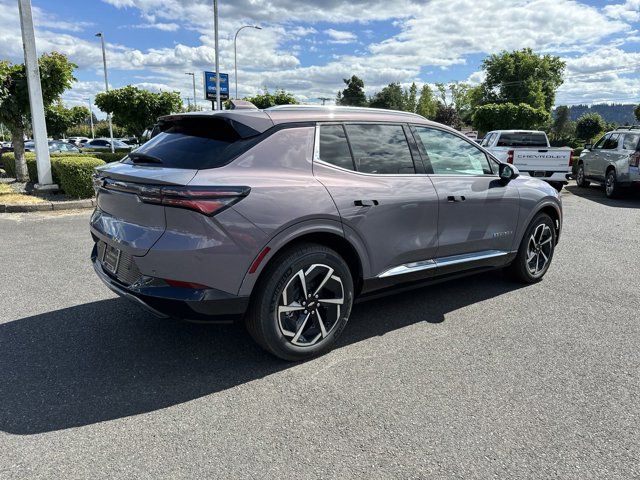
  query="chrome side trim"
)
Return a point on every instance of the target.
[
  {"x": 442, "y": 262},
  {"x": 408, "y": 268}
]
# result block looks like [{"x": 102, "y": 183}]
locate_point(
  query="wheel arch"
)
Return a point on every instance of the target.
[
  {"x": 328, "y": 234},
  {"x": 555, "y": 215}
]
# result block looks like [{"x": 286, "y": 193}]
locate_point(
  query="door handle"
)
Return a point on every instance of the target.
[
  {"x": 456, "y": 198},
  {"x": 365, "y": 203}
]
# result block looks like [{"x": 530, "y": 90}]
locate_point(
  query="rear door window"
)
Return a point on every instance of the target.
[
  {"x": 631, "y": 141},
  {"x": 192, "y": 143},
  {"x": 380, "y": 149},
  {"x": 334, "y": 148},
  {"x": 611, "y": 142}
]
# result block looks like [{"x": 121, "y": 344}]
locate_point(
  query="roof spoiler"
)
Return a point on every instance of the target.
[{"x": 242, "y": 105}]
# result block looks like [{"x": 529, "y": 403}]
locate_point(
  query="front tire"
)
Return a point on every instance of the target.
[
  {"x": 580, "y": 178},
  {"x": 535, "y": 252},
  {"x": 302, "y": 302},
  {"x": 611, "y": 187}
]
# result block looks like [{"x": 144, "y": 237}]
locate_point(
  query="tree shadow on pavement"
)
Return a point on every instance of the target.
[
  {"x": 110, "y": 359},
  {"x": 595, "y": 193}
]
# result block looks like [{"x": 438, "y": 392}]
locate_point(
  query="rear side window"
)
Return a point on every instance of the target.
[
  {"x": 522, "y": 139},
  {"x": 611, "y": 142},
  {"x": 488, "y": 140},
  {"x": 631, "y": 141},
  {"x": 381, "y": 149},
  {"x": 193, "y": 143},
  {"x": 334, "y": 148}
]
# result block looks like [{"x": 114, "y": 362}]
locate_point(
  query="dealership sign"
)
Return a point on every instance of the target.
[{"x": 210, "y": 86}]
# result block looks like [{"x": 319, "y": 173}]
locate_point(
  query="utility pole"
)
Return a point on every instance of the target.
[
  {"x": 106, "y": 86},
  {"x": 324, "y": 99},
  {"x": 93, "y": 135},
  {"x": 36, "y": 103},
  {"x": 215, "y": 28},
  {"x": 193, "y": 77}
]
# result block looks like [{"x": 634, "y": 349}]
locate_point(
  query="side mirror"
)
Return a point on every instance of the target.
[
  {"x": 588, "y": 146},
  {"x": 507, "y": 172}
]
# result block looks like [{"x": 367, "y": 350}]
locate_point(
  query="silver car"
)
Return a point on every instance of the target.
[
  {"x": 613, "y": 161},
  {"x": 282, "y": 217}
]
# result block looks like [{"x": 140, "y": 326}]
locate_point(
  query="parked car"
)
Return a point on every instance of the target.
[
  {"x": 55, "y": 146},
  {"x": 77, "y": 141},
  {"x": 613, "y": 161},
  {"x": 282, "y": 217},
  {"x": 529, "y": 150},
  {"x": 105, "y": 143}
]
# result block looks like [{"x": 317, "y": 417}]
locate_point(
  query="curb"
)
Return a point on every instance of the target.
[{"x": 47, "y": 206}]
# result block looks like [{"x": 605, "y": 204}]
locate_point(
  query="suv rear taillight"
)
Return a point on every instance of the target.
[
  {"x": 202, "y": 199},
  {"x": 205, "y": 200},
  {"x": 634, "y": 159},
  {"x": 510, "y": 154}
]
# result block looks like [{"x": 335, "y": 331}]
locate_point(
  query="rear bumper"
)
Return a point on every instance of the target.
[
  {"x": 204, "y": 305},
  {"x": 549, "y": 176}
]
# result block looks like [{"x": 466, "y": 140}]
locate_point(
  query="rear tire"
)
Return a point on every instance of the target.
[
  {"x": 611, "y": 187},
  {"x": 302, "y": 302},
  {"x": 580, "y": 178},
  {"x": 535, "y": 252},
  {"x": 557, "y": 185}
]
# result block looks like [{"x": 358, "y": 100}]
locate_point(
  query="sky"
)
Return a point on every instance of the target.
[{"x": 308, "y": 46}]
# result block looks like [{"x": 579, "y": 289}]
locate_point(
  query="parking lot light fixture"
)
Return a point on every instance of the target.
[
  {"x": 193, "y": 77},
  {"x": 235, "y": 52},
  {"x": 106, "y": 86}
]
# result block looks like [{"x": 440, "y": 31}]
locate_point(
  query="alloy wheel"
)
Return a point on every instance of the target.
[
  {"x": 580, "y": 176},
  {"x": 539, "y": 249},
  {"x": 310, "y": 305},
  {"x": 610, "y": 184}
]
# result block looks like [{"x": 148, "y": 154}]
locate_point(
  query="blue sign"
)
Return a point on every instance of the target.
[{"x": 210, "y": 86}]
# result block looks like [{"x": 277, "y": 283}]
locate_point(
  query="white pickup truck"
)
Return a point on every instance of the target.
[{"x": 529, "y": 150}]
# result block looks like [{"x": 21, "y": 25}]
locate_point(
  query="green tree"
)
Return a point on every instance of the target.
[
  {"x": 266, "y": 99},
  {"x": 59, "y": 119},
  {"x": 562, "y": 124},
  {"x": 637, "y": 113},
  {"x": 353, "y": 94},
  {"x": 447, "y": 115},
  {"x": 56, "y": 76},
  {"x": 524, "y": 77},
  {"x": 504, "y": 116},
  {"x": 427, "y": 104},
  {"x": 411, "y": 98},
  {"x": 390, "y": 97},
  {"x": 589, "y": 126},
  {"x": 135, "y": 109}
]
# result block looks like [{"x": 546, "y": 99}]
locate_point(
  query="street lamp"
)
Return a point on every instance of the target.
[
  {"x": 235, "y": 52},
  {"x": 93, "y": 135},
  {"x": 106, "y": 86},
  {"x": 217, "y": 44},
  {"x": 193, "y": 76}
]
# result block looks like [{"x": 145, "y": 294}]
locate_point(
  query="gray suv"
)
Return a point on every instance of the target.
[
  {"x": 613, "y": 161},
  {"x": 282, "y": 217}
]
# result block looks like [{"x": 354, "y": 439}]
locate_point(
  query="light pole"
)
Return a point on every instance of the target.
[
  {"x": 193, "y": 77},
  {"x": 36, "y": 103},
  {"x": 106, "y": 86},
  {"x": 235, "y": 52},
  {"x": 323, "y": 99},
  {"x": 93, "y": 135},
  {"x": 215, "y": 28}
]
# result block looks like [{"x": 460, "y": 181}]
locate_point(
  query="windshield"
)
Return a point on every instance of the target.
[{"x": 522, "y": 139}]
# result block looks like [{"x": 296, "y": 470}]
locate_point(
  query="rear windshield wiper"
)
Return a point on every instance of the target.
[{"x": 139, "y": 157}]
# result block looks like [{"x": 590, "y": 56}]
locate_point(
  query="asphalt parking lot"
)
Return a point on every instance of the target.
[{"x": 480, "y": 378}]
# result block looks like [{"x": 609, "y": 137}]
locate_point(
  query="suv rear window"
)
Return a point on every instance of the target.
[
  {"x": 632, "y": 141},
  {"x": 193, "y": 143},
  {"x": 381, "y": 149},
  {"x": 522, "y": 139}
]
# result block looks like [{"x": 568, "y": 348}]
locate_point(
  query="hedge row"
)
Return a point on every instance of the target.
[
  {"x": 71, "y": 172},
  {"x": 9, "y": 161}
]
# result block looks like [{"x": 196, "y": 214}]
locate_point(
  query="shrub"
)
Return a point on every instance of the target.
[
  {"x": 76, "y": 174},
  {"x": 107, "y": 157}
]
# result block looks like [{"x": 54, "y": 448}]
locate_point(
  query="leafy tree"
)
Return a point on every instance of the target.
[
  {"x": 636, "y": 112},
  {"x": 427, "y": 104},
  {"x": 59, "y": 119},
  {"x": 135, "y": 109},
  {"x": 589, "y": 126},
  {"x": 390, "y": 97},
  {"x": 102, "y": 130},
  {"x": 562, "y": 125},
  {"x": 503, "y": 116},
  {"x": 266, "y": 99},
  {"x": 447, "y": 115},
  {"x": 56, "y": 76},
  {"x": 353, "y": 94},
  {"x": 411, "y": 98},
  {"x": 522, "y": 76}
]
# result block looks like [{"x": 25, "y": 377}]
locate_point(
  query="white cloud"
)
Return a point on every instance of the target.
[
  {"x": 165, "y": 27},
  {"x": 628, "y": 11},
  {"x": 340, "y": 36}
]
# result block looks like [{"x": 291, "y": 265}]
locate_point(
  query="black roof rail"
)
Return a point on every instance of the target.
[{"x": 630, "y": 127}]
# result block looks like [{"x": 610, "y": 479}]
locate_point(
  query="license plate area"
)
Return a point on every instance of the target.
[
  {"x": 539, "y": 174},
  {"x": 111, "y": 258}
]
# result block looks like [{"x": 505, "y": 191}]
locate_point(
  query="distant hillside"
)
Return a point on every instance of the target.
[{"x": 616, "y": 113}]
